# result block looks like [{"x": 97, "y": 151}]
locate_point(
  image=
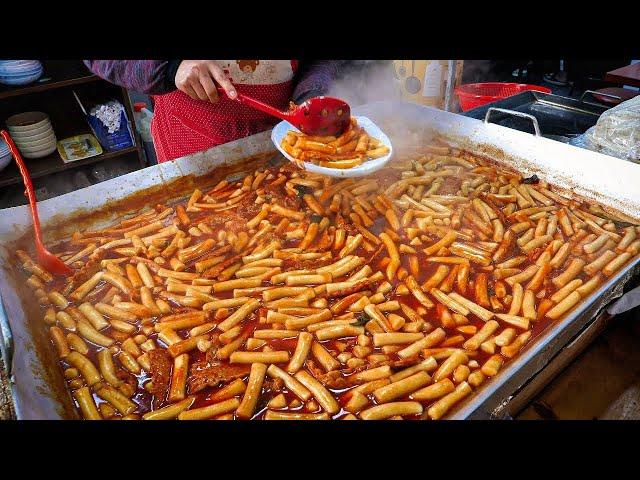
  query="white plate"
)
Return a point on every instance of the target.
[
  {"x": 36, "y": 143},
  {"x": 20, "y": 80},
  {"x": 27, "y": 121},
  {"x": 40, "y": 153},
  {"x": 37, "y": 148},
  {"x": 40, "y": 131},
  {"x": 20, "y": 68},
  {"x": 368, "y": 167},
  {"x": 15, "y": 63},
  {"x": 34, "y": 135},
  {"x": 20, "y": 73}
]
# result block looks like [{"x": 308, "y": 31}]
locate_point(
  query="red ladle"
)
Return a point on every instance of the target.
[
  {"x": 47, "y": 259},
  {"x": 322, "y": 116}
]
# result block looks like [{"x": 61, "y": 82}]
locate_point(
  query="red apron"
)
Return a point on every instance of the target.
[{"x": 182, "y": 126}]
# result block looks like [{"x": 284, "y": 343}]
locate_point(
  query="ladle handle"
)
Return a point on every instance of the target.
[
  {"x": 26, "y": 178},
  {"x": 258, "y": 105}
]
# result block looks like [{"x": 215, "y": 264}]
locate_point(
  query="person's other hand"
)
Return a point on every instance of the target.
[{"x": 198, "y": 78}]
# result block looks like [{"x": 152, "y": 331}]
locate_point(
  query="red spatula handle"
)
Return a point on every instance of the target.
[
  {"x": 49, "y": 261},
  {"x": 31, "y": 195},
  {"x": 258, "y": 105}
]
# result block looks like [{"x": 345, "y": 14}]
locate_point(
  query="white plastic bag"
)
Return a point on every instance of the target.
[{"x": 617, "y": 132}]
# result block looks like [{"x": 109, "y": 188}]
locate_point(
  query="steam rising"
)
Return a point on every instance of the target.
[
  {"x": 372, "y": 83},
  {"x": 375, "y": 82}
]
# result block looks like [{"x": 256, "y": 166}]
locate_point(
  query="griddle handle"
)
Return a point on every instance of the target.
[
  {"x": 593, "y": 93},
  {"x": 515, "y": 113}
]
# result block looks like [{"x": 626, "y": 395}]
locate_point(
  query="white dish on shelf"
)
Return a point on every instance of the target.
[
  {"x": 22, "y": 72},
  {"x": 40, "y": 143},
  {"x": 40, "y": 131},
  {"x": 18, "y": 64},
  {"x": 34, "y": 135},
  {"x": 15, "y": 62},
  {"x": 40, "y": 146},
  {"x": 27, "y": 121},
  {"x": 19, "y": 69},
  {"x": 20, "y": 80},
  {"x": 25, "y": 73},
  {"x": 39, "y": 153},
  {"x": 366, "y": 168}
]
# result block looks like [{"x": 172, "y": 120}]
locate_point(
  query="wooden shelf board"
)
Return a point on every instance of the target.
[
  {"x": 7, "y": 91},
  {"x": 40, "y": 167}
]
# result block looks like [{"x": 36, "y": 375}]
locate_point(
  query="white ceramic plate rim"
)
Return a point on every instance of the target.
[
  {"x": 20, "y": 81},
  {"x": 26, "y": 128},
  {"x": 27, "y": 134},
  {"x": 20, "y": 68},
  {"x": 39, "y": 153},
  {"x": 368, "y": 167},
  {"x": 33, "y": 137},
  {"x": 17, "y": 62},
  {"x": 37, "y": 143},
  {"x": 21, "y": 73},
  {"x": 20, "y": 78},
  {"x": 38, "y": 148}
]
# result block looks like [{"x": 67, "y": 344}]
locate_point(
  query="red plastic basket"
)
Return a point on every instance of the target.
[{"x": 473, "y": 95}]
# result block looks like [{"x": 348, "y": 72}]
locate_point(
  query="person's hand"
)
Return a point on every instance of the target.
[{"x": 198, "y": 78}]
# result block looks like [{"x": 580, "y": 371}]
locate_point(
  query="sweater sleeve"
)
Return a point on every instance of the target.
[
  {"x": 151, "y": 77},
  {"x": 316, "y": 78}
]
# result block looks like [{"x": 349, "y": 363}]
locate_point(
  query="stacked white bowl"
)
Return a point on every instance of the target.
[
  {"x": 32, "y": 133},
  {"x": 5, "y": 154},
  {"x": 19, "y": 72}
]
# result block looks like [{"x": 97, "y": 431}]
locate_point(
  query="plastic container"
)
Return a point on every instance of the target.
[
  {"x": 142, "y": 116},
  {"x": 617, "y": 132},
  {"x": 474, "y": 95}
]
